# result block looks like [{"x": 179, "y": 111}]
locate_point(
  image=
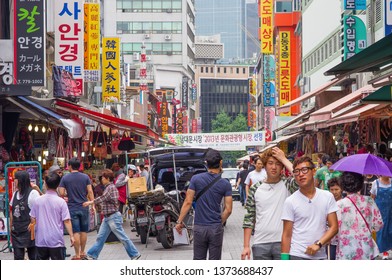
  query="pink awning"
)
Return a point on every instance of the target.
[{"x": 352, "y": 116}]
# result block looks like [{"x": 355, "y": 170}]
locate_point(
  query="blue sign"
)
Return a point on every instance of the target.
[
  {"x": 388, "y": 17},
  {"x": 269, "y": 94},
  {"x": 355, "y": 5}
]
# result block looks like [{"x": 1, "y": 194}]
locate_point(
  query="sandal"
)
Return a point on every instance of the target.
[
  {"x": 83, "y": 256},
  {"x": 75, "y": 258}
]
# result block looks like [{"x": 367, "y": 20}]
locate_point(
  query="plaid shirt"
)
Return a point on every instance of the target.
[
  {"x": 250, "y": 215},
  {"x": 108, "y": 201}
]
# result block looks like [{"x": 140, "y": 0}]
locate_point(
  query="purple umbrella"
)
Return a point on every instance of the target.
[{"x": 366, "y": 164}]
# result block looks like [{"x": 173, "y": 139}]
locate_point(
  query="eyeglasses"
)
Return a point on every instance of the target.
[{"x": 303, "y": 170}]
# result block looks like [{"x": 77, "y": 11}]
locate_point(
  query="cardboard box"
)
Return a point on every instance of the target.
[{"x": 137, "y": 186}]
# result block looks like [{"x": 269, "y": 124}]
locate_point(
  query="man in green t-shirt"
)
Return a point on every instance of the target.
[{"x": 324, "y": 174}]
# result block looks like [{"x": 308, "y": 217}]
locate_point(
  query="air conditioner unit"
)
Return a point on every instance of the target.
[
  {"x": 148, "y": 58},
  {"x": 147, "y": 36},
  {"x": 169, "y": 11},
  {"x": 119, "y": 31},
  {"x": 168, "y": 37},
  {"x": 136, "y": 56},
  {"x": 169, "y": 53}
]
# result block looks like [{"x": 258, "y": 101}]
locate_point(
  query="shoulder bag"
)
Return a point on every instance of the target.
[{"x": 207, "y": 187}]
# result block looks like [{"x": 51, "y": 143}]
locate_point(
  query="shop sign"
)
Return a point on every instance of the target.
[
  {"x": 355, "y": 5},
  {"x": 266, "y": 28},
  {"x": 180, "y": 122},
  {"x": 252, "y": 86},
  {"x": 269, "y": 119},
  {"x": 194, "y": 126},
  {"x": 91, "y": 42},
  {"x": 269, "y": 94},
  {"x": 284, "y": 69},
  {"x": 184, "y": 92},
  {"x": 354, "y": 35},
  {"x": 388, "y": 17},
  {"x": 268, "y": 78},
  {"x": 111, "y": 69},
  {"x": 29, "y": 44},
  {"x": 69, "y": 43},
  {"x": 224, "y": 141},
  {"x": 194, "y": 92}
]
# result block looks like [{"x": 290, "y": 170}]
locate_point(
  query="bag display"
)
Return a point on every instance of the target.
[
  {"x": 126, "y": 143},
  {"x": 115, "y": 142},
  {"x": 64, "y": 84},
  {"x": 100, "y": 151}
]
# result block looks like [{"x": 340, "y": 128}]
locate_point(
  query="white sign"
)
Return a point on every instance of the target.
[
  {"x": 69, "y": 34},
  {"x": 224, "y": 141}
]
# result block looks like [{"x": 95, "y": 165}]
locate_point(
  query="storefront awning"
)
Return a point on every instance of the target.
[
  {"x": 284, "y": 138},
  {"x": 107, "y": 120},
  {"x": 325, "y": 112},
  {"x": 380, "y": 96},
  {"x": 370, "y": 59},
  {"x": 75, "y": 129},
  {"x": 286, "y": 107},
  {"x": 351, "y": 116}
]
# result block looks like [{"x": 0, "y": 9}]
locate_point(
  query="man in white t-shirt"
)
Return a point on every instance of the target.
[
  {"x": 257, "y": 175},
  {"x": 264, "y": 208},
  {"x": 306, "y": 214}
]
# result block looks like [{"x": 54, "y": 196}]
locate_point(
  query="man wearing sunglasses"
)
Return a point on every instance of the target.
[
  {"x": 306, "y": 214},
  {"x": 264, "y": 208}
]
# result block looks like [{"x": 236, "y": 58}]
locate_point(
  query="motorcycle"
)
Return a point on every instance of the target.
[{"x": 142, "y": 217}]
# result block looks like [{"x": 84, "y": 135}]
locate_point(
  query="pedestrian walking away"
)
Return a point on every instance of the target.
[
  {"x": 209, "y": 189},
  {"x": 77, "y": 186},
  {"x": 305, "y": 214},
  {"x": 112, "y": 221},
  {"x": 49, "y": 215},
  {"x": 21, "y": 202},
  {"x": 264, "y": 208}
]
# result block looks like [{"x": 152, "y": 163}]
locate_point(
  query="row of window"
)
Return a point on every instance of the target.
[
  {"x": 220, "y": 86},
  {"x": 139, "y": 27},
  {"x": 153, "y": 48},
  {"x": 149, "y": 6},
  {"x": 224, "y": 70},
  {"x": 324, "y": 52}
]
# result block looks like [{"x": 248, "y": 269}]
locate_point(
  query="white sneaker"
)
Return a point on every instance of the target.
[{"x": 385, "y": 256}]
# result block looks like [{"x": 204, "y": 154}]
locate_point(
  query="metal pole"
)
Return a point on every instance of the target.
[{"x": 175, "y": 176}]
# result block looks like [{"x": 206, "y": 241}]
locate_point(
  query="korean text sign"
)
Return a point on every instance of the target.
[
  {"x": 91, "y": 42},
  {"x": 29, "y": 43},
  {"x": 269, "y": 80},
  {"x": 69, "y": 53},
  {"x": 284, "y": 68},
  {"x": 110, "y": 69},
  {"x": 354, "y": 35},
  {"x": 226, "y": 141},
  {"x": 266, "y": 28}
]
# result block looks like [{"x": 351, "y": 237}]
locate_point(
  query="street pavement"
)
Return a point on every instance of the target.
[{"x": 232, "y": 243}]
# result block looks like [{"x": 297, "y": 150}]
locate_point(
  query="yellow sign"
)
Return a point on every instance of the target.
[
  {"x": 91, "y": 42},
  {"x": 252, "y": 86},
  {"x": 284, "y": 69},
  {"x": 111, "y": 69},
  {"x": 266, "y": 28}
]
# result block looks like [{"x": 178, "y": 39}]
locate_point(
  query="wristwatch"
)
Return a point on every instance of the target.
[{"x": 318, "y": 242}]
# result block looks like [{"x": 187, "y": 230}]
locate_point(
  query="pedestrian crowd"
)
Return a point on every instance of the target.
[{"x": 298, "y": 210}]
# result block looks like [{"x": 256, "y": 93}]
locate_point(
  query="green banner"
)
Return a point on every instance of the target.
[{"x": 354, "y": 35}]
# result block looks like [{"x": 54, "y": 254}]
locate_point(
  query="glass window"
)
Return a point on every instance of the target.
[
  {"x": 224, "y": 70},
  {"x": 126, "y": 4},
  {"x": 243, "y": 70},
  {"x": 177, "y": 26},
  {"x": 119, "y": 4},
  {"x": 147, "y": 4},
  {"x": 177, "y": 47},
  {"x": 136, "y": 4},
  {"x": 166, "y": 4},
  {"x": 238, "y": 70},
  {"x": 147, "y": 27},
  {"x": 157, "y": 27},
  {"x": 218, "y": 69},
  {"x": 127, "y": 47},
  {"x": 176, "y": 4},
  {"x": 156, "y": 5},
  {"x": 206, "y": 69},
  {"x": 137, "y": 27},
  {"x": 167, "y": 47},
  {"x": 157, "y": 47},
  {"x": 201, "y": 69},
  {"x": 137, "y": 47},
  {"x": 166, "y": 27}
]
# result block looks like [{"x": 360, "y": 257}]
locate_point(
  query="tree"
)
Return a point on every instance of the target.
[{"x": 224, "y": 123}]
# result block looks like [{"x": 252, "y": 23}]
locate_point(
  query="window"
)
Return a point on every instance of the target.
[
  {"x": 224, "y": 70},
  {"x": 212, "y": 69},
  {"x": 218, "y": 69},
  {"x": 206, "y": 69},
  {"x": 201, "y": 69},
  {"x": 243, "y": 70},
  {"x": 237, "y": 70}
]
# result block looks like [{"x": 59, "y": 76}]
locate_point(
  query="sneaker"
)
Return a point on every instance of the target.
[
  {"x": 138, "y": 256},
  {"x": 385, "y": 256},
  {"x": 88, "y": 258}
]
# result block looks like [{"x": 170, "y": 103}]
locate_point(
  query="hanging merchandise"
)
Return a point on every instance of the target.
[
  {"x": 126, "y": 143},
  {"x": 100, "y": 149},
  {"x": 52, "y": 144},
  {"x": 115, "y": 142},
  {"x": 98, "y": 135},
  {"x": 60, "y": 152},
  {"x": 64, "y": 85}
]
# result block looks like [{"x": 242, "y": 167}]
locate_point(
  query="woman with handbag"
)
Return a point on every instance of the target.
[{"x": 358, "y": 217}]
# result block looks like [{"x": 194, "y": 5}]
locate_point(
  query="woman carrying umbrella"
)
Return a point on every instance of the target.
[
  {"x": 358, "y": 215},
  {"x": 382, "y": 193}
]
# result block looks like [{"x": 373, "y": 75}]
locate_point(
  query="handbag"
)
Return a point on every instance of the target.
[
  {"x": 57, "y": 85},
  {"x": 115, "y": 142},
  {"x": 100, "y": 151},
  {"x": 98, "y": 136},
  {"x": 126, "y": 143}
]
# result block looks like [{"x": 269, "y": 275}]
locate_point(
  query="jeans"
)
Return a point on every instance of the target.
[
  {"x": 207, "y": 239},
  {"x": 267, "y": 251},
  {"x": 80, "y": 220},
  {"x": 112, "y": 223},
  {"x": 242, "y": 190}
]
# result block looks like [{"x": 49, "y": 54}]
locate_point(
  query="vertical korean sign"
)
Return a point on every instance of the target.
[
  {"x": 354, "y": 35},
  {"x": 266, "y": 28},
  {"x": 252, "y": 102},
  {"x": 69, "y": 53},
  {"x": 284, "y": 69},
  {"x": 388, "y": 17},
  {"x": 184, "y": 92},
  {"x": 269, "y": 80},
  {"x": 110, "y": 69},
  {"x": 91, "y": 42},
  {"x": 29, "y": 43}
]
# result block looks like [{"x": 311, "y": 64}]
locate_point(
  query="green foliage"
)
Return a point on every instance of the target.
[{"x": 224, "y": 123}]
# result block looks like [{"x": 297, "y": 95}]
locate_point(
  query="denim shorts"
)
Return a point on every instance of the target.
[{"x": 80, "y": 220}]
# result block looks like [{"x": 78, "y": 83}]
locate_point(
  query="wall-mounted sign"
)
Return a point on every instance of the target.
[{"x": 354, "y": 35}]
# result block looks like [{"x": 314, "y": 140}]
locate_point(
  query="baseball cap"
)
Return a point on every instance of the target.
[{"x": 54, "y": 168}]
